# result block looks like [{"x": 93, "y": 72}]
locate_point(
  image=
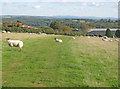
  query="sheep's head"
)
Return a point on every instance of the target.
[
  {"x": 55, "y": 38},
  {"x": 7, "y": 38}
]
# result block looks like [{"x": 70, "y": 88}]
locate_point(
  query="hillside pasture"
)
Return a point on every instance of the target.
[{"x": 83, "y": 62}]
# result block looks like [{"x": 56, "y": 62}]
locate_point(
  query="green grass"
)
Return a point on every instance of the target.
[{"x": 43, "y": 62}]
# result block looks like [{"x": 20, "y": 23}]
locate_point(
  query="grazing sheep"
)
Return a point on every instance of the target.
[
  {"x": 43, "y": 34},
  {"x": 3, "y": 31},
  {"x": 116, "y": 40},
  {"x": 39, "y": 32},
  {"x": 94, "y": 36},
  {"x": 8, "y": 32},
  {"x": 58, "y": 40},
  {"x": 16, "y": 43},
  {"x": 88, "y": 36},
  {"x": 110, "y": 40},
  {"x": 73, "y": 37},
  {"x": 105, "y": 38}
]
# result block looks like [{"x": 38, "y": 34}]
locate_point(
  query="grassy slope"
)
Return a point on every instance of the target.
[{"x": 43, "y": 62}]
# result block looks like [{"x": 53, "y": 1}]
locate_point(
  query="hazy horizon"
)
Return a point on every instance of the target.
[{"x": 64, "y": 16}]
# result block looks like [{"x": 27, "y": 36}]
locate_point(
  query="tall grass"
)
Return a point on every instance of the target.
[{"x": 43, "y": 62}]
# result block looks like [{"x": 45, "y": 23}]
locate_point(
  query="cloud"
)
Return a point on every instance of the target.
[
  {"x": 7, "y": 3},
  {"x": 63, "y": 0},
  {"x": 78, "y": 0},
  {"x": 37, "y": 6},
  {"x": 18, "y": 1},
  {"x": 115, "y": 5},
  {"x": 84, "y": 4},
  {"x": 112, "y": 0},
  {"x": 59, "y": 0},
  {"x": 97, "y": 4}
]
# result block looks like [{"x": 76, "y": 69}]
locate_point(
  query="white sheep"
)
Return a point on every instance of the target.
[
  {"x": 3, "y": 31},
  {"x": 43, "y": 34},
  {"x": 39, "y": 32},
  {"x": 105, "y": 38},
  {"x": 73, "y": 37},
  {"x": 16, "y": 43},
  {"x": 8, "y": 32},
  {"x": 116, "y": 40},
  {"x": 94, "y": 36},
  {"x": 110, "y": 40},
  {"x": 58, "y": 40},
  {"x": 88, "y": 36}
]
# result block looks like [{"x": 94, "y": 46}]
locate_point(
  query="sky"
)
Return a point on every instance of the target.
[{"x": 97, "y": 8}]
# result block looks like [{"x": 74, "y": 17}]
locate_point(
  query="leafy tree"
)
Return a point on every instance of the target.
[
  {"x": 5, "y": 24},
  {"x": 47, "y": 30},
  {"x": 117, "y": 33},
  {"x": 55, "y": 25},
  {"x": 84, "y": 28},
  {"x": 109, "y": 20},
  {"x": 18, "y": 21},
  {"x": 108, "y": 33},
  {"x": 20, "y": 24},
  {"x": 65, "y": 28}
]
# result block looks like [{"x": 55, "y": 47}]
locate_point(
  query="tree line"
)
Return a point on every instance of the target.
[
  {"x": 109, "y": 33},
  {"x": 72, "y": 23},
  {"x": 54, "y": 28}
]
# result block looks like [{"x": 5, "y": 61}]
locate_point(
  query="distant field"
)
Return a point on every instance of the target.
[{"x": 83, "y": 62}]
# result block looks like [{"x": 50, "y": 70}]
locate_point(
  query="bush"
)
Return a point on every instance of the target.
[
  {"x": 108, "y": 33},
  {"x": 117, "y": 33},
  {"x": 55, "y": 25}
]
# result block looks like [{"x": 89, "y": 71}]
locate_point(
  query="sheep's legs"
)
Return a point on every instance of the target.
[
  {"x": 11, "y": 48},
  {"x": 20, "y": 49}
]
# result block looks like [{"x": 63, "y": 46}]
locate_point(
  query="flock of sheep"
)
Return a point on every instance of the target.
[
  {"x": 18, "y": 43},
  {"x": 5, "y": 32},
  {"x": 105, "y": 38}
]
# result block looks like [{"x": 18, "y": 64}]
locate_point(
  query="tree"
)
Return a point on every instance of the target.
[
  {"x": 84, "y": 28},
  {"x": 117, "y": 33},
  {"x": 47, "y": 30},
  {"x": 5, "y": 24},
  {"x": 18, "y": 21},
  {"x": 108, "y": 33},
  {"x": 10, "y": 22},
  {"x": 20, "y": 24},
  {"x": 65, "y": 28},
  {"x": 55, "y": 25},
  {"x": 109, "y": 20}
]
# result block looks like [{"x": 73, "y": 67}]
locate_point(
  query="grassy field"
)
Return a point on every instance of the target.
[{"x": 43, "y": 62}]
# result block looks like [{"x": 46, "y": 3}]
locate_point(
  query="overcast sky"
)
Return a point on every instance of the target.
[{"x": 97, "y": 8}]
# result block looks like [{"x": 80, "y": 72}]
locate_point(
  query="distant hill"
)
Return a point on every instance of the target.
[
  {"x": 62, "y": 17},
  {"x": 72, "y": 21},
  {"x": 83, "y": 17}
]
